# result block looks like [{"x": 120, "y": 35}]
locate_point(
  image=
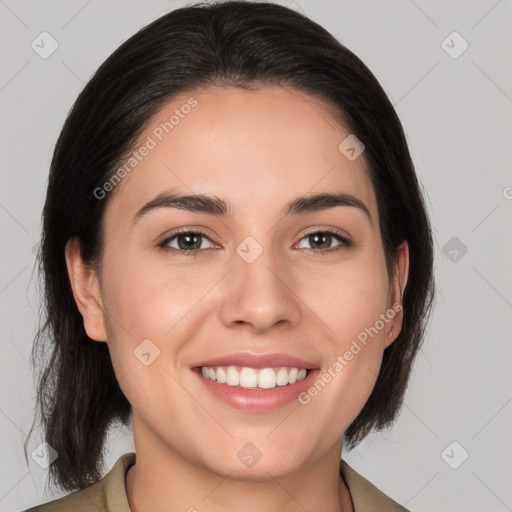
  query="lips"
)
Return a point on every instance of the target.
[
  {"x": 299, "y": 373},
  {"x": 253, "y": 360},
  {"x": 257, "y": 400}
]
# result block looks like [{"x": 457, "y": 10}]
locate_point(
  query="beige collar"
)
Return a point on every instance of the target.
[{"x": 365, "y": 496}]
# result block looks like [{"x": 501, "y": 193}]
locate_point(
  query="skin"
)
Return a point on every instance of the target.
[{"x": 257, "y": 150}]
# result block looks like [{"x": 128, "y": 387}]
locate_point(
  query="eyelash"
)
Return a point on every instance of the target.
[{"x": 345, "y": 243}]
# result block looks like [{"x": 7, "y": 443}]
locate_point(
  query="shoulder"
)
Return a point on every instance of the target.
[
  {"x": 106, "y": 495},
  {"x": 365, "y": 496}
]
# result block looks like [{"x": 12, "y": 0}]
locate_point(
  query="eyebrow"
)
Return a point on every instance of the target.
[{"x": 213, "y": 205}]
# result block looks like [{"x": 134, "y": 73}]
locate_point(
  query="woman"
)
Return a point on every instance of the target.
[{"x": 238, "y": 259}]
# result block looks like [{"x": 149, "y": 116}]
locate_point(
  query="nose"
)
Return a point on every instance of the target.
[{"x": 259, "y": 295}]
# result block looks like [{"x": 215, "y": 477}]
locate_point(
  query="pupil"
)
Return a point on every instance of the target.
[
  {"x": 188, "y": 237},
  {"x": 321, "y": 236}
]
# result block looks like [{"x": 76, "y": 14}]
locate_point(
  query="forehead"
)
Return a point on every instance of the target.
[{"x": 252, "y": 147}]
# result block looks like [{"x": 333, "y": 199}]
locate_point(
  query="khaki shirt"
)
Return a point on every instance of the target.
[{"x": 109, "y": 494}]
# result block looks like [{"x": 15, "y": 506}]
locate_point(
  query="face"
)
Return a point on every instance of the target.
[{"x": 248, "y": 288}]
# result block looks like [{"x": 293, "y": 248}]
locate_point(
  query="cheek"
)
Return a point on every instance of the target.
[
  {"x": 150, "y": 298},
  {"x": 149, "y": 301},
  {"x": 144, "y": 307},
  {"x": 350, "y": 298},
  {"x": 353, "y": 304}
]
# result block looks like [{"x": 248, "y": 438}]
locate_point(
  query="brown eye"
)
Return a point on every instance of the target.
[
  {"x": 322, "y": 241},
  {"x": 187, "y": 241}
]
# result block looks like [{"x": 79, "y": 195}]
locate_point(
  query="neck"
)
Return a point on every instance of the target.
[{"x": 163, "y": 480}]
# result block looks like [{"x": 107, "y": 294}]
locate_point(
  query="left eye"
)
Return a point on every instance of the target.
[{"x": 324, "y": 238}]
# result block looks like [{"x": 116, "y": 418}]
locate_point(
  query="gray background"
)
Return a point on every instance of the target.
[{"x": 457, "y": 116}]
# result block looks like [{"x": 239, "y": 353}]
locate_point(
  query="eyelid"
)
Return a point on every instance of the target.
[
  {"x": 188, "y": 229},
  {"x": 326, "y": 229}
]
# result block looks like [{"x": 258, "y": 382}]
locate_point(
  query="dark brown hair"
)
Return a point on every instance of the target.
[{"x": 236, "y": 44}]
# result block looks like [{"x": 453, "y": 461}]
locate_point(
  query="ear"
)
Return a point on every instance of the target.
[
  {"x": 86, "y": 291},
  {"x": 400, "y": 277}
]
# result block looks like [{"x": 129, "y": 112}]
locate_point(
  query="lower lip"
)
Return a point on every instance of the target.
[{"x": 258, "y": 400}]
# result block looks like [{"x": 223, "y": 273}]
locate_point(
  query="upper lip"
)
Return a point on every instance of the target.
[{"x": 254, "y": 360}]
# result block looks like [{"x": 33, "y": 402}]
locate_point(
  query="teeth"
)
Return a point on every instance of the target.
[
  {"x": 221, "y": 375},
  {"x": 233, "y": 377},
  {"x": 251, "y": 378},
  {"x": 282, "y": 377},
  {"x": 248, "y": 378},
  {"x": 267, "y": 378}
]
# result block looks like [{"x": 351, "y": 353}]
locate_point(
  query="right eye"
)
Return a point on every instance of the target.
[{"x": 187, "y": 241}]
